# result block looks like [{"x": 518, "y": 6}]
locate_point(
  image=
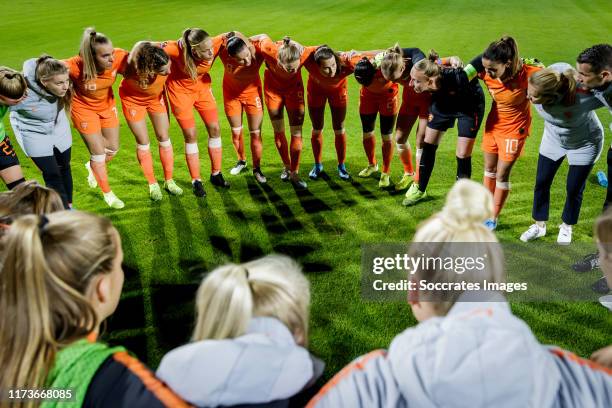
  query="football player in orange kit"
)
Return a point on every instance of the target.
[
  {"x": 141, "y": 93},
  {"x": 327, "y": 83},
  {"x": 242, "y": 92},
  {"x": 189, "y": 86},
  {"x": 395, "y": 66},
  {"x": 283, "y": 87},
  {"x": 377, "y": 95},
  {"x": 93, "y": 111},
  {"x": 509, "y": 122}
]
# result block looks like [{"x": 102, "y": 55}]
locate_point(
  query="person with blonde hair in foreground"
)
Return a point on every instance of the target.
[
  {"x": 60, "y": 277},
  {"x": 468, "y": 349},
  {"x": 250, "y": 338}
]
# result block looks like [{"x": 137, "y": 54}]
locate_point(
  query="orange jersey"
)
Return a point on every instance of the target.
[
  {"x": 278, "y": 77},
  {"x": 179, "y": 77},
  {"x": 510, "y": 113},
  {"x": 236, "y": 77},
  {"x": 141, "y": 91},
  {"x": 348, "y": 60},
  {"x": 381, "y": 86},
  {"x": 96, "y": 94}
]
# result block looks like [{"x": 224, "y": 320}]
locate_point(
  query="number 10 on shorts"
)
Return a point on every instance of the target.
[{"x": 512, "y": 146}]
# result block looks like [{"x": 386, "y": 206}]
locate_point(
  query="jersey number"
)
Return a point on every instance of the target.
[{"x": 512, "y": 146}]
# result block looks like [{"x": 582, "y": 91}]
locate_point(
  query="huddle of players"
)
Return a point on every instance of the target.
[{"x": 436, "y": 92}]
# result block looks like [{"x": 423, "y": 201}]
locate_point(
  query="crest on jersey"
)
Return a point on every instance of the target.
[{"x": 83, "y": 125}]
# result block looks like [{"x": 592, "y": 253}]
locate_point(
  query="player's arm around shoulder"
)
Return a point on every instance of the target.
[{"x": 366, "y": 382}]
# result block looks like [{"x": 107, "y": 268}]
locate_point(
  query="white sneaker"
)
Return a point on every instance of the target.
[
  {"x": 91, "y": 179},
  {"x": 237, "y": 169},
  {"x": 606, "y": 301},
  {"x": 285, "y": 174},
  {"x": 113, "y": 201},
  {"x": 534, "y": 232},
  {"x": 565, "y": 234}
]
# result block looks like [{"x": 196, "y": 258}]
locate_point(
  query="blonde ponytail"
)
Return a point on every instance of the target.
[
  {"x": 12, "y": 83},
  {"x": 88, "y": 52},
  {"x": 458, "y": 231},
  {"x": 231, "y": 295},
  {"x": 289, "y": 51},
  {"x": 47, "y": 265}
]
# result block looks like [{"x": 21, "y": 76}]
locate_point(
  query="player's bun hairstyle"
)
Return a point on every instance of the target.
[
  {"x": 232, "y": 294},
  {"x": 555, "y": 87},
  {"x": 90, "y": 40},
  {"x": 393, "y": 60},
  {"x": 429, "y": 66},
  {"x": 234, "y": 44},
  {"x": 149, "y": 60},
  {"x": 458, "y": 230},
  {"x": 191, "y": 37},
  {"x": 12, "y": 83},
  {"x": 598, "y": 56},
  {"x": 46, "y": 68},
  {"x": 28, "y": 198},
  {"x": 364, "y": 71},
  {"x": 48, "y": 263},
  {"x": 289, "y": 51},
  {"x": 503, "y": 51},
  {"x": 603, "y": 231}
]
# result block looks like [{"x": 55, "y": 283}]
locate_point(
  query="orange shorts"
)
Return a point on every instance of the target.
[
  {"x": 134, "y": 111},
  {"x": 182, "y": 104},
  {"x": 89, "y": 122},
  {"x": 292, "y": 98},
  {"x": 385, "y": 104},
  {"x": 508, "y": 149},
  {"x": 248, "y": 100},
  {"x": 317, "y": 96},
  {"x": 415, "y": 104}
]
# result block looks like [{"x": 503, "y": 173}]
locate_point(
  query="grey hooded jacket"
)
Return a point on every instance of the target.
[
  {"x": 479, "y": 355},
  {"x": 38, "y": 123},
  {"x": 262, "y": 366}
]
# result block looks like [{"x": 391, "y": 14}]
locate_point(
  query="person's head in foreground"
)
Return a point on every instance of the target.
[
  {"x": 28, "y": 198},
  {"x": 594, "y": 66},
  {"x": 467, "y": 350},
  {"x": 252, "y": 329},
  {"x": 61, "y": 277}
]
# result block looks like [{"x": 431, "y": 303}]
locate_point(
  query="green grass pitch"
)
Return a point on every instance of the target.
[{"x": 168, "y": 245}]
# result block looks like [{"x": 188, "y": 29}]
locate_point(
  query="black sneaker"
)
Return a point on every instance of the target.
[
  {"x": 588, "y": 263},
  {"x": 259, "y": 176},
  {"x": 298, "y": 182},
  {"x": 198, "y": 189},
  {"x": 601, "y": 286},
  {"x": 219, "y": 181}
]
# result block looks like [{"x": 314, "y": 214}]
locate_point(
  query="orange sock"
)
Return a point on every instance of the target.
[
  {"x": 489, "y": 181},
  {"x": 369, "y": 145},
  {"x": 502, "y": 190},
  {"x": 280, "y": 140},
  {"x": 296, "y": 152},
  {"x": 340, "y": 142},
  {"x": 317, "y": 144},
  {"x": 238, "y": 142},
  {"x": 146, "y": 162},
  {"x": 215, "y": 152},
  {"x": 166, "y": 156},
  {"x": 99, "y": 170},
  {"x": 192, "y": 156},
  {"x": 256, "y": 148},
  {"x": 405, "y": 154},
  {"x": 387, "y": 153}
]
